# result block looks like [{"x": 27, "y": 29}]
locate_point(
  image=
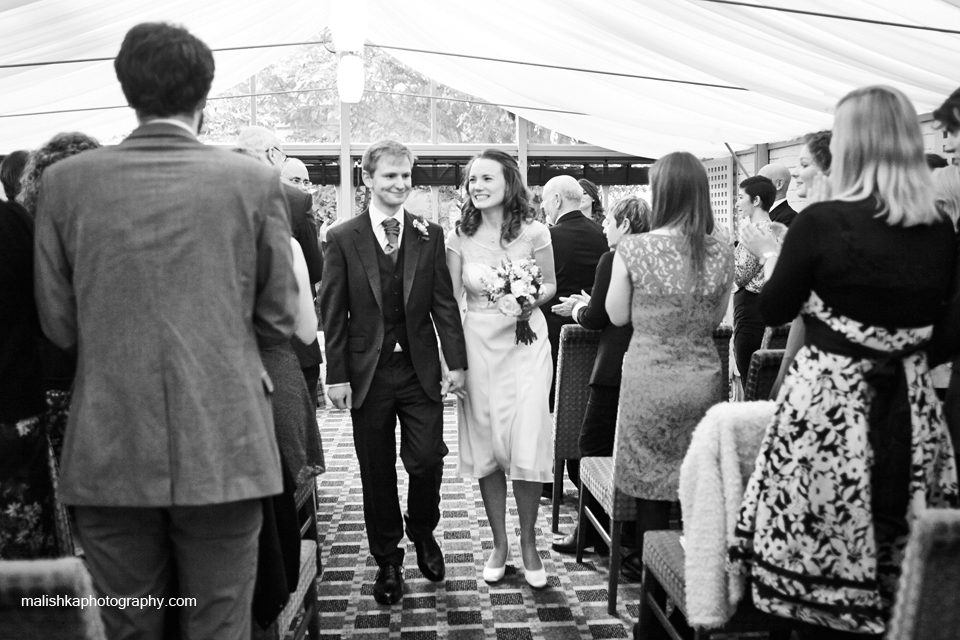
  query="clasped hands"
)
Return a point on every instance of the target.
[
  {"x": 567, "y": 303},
  {"x": 452, "y": 382}
]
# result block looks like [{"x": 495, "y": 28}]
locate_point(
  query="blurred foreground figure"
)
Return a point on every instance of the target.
[{"x": 165, "y": 286}]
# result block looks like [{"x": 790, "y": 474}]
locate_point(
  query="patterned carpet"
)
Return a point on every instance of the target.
[{"x": 573, "y": 606}]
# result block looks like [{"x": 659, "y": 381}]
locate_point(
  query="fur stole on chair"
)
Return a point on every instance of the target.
[{"x": 714, "y": 473}]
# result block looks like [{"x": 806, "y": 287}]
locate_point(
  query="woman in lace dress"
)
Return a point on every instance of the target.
[
  {"x": 504, "y": 418},
  {"x": 673, "y": 284},
  {"x": 858, "y": 444}
]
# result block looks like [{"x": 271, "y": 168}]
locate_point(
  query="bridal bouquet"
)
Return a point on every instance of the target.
[{"x": 514, "y": 287}]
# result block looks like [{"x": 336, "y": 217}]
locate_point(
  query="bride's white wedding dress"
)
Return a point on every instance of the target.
[{"x": 504, "y": 418}]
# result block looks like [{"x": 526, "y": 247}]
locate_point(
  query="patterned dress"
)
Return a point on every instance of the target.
[
  {"x": 807, "y": 524},
  {"x": 671, "y": 372}
]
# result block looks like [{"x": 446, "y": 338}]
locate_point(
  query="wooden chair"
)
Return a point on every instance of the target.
[
  {"x": 926, "y": 604},
  {"x": 598, "y": 478},
  {"x": 47, "y": 578},
  {"x": 764, "y": 367},
  {"x": 305, "y": 598},
  {"x": 775, "y": 337},
  {"x": 578, "y": 352}
]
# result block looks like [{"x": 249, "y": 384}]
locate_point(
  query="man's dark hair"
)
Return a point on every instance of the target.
[
  {"x": 11, "y": 168},
  {"x": 163, "y": 69},
  {"x": 948, "y": 114}
]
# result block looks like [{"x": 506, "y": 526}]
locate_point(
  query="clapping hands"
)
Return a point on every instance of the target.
[
  {"x": 566, "y": 305},
  {"x": 760, "y": 241}
]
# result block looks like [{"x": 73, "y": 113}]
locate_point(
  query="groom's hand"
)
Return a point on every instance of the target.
[
  {"x": 341, "y": 396},
  {"x": 455, "y": 380}
]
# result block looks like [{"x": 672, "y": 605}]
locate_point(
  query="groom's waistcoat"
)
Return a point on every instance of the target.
[{"x": 394, "y": 315}]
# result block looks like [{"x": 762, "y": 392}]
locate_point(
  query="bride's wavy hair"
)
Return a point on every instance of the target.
[{"x": 516, "y": 198}]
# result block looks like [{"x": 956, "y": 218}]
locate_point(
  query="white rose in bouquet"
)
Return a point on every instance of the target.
[
  {"x": 519, "y": 288},
  {"x": 508, "y": 306}
]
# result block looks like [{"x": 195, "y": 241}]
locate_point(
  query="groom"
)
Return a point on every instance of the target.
[{"x": 385, "y": 277}]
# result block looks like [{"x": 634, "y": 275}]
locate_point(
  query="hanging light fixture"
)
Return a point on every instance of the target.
[
  {"x": 348, "y": 29},
  {"x": 350, "y": 77}
]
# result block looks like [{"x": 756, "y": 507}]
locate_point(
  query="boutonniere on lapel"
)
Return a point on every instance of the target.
[{"x": 423, "y": 232}]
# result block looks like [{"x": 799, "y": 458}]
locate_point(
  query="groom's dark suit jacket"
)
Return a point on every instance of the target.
[{"x": 352, "y": 308}]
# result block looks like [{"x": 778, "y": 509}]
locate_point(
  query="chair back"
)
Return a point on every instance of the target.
[
  {"x": 721, "y": 338},
  {"x": 578, "y": 353},
  {"x": 28, "y": 591},
  {"x": 764, "y": 367},
  {"x": 926, "y": 604},
  {"x": 775, "y": 337}
]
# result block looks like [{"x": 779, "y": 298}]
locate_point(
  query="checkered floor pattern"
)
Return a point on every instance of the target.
[{"x": 463, "y": 607}]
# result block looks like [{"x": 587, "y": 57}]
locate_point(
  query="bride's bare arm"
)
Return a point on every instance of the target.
[{"x": 544, "y": 258}]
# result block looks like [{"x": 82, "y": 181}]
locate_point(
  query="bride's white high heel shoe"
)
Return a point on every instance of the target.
[
  {"x": 535, "y": 578},
  {"x": 495, "y": 574}
]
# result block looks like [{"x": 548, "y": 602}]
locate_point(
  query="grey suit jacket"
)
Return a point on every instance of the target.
[{"x": 164, "y": 262}]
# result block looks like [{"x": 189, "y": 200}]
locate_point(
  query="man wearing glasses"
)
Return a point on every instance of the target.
[
  {"x": 294, "y": 172},
  {"x": 264, "y": 143}
]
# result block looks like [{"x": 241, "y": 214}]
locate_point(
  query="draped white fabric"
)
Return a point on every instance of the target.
[{"x": 788, "y": 69}]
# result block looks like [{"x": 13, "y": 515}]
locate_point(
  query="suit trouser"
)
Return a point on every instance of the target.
[
  {"x": 206, "y": 552},
  {"x": 396, "y": 393}
]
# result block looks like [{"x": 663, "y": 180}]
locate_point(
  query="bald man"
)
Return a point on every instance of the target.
[
  {"x": 779, "y": 175},
  {"x": 264, "y": 144},
  {"x": 578, "y": 242},
  {"x": 294, "y": 173}
]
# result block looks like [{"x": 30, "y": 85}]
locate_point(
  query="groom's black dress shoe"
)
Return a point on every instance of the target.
[
  {"x": 388, "y": 587},
  {"x": 429, "y": 555}
]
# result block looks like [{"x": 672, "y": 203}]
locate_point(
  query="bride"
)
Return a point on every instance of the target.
[{"x": 504, "y": 419}]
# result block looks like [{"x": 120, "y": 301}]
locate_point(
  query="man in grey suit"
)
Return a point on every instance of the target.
[{"x": 164, "y": 262}]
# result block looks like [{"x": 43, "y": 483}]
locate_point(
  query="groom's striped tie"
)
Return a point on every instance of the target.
[{"x": 391, "y": 227}]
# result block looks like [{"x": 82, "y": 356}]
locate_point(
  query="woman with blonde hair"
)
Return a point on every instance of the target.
[{"x": 858, "y": 443}]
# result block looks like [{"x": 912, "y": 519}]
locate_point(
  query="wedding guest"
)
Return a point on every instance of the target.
[
  {"x": 780, "y": 210},
  {"x": 294, "y": 172},
  {"x": 11, "y": 169},
  {"x": 753, "y": 205},
  {"x": 629, "y": 216},
  {"x": 811, "y": 182},
  {"x": 673, "y": 285},
  {"x": 947, "y": 116},
  {"x": 946, "y": 184},
  {"x": 858, "y": 445},
  {"x": 265, "y": 146},
  {"x": 591, "y": 203},
  {"x": 59, "y": 366},
  {"x": 504, "y": 418},
  {"x": 26, "y": 494},
  {"x": 577, "y": 247},
  {"x": 167, "y": 286},
  {"x": 59, "y": 147}
]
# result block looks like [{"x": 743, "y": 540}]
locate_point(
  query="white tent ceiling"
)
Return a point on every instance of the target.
[{"x": 788, "y": 69}]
